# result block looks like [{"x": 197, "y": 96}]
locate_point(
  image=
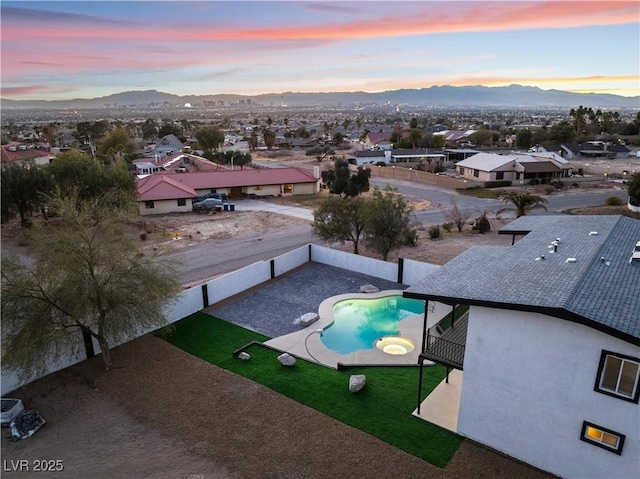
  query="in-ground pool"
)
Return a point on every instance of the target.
[{"x": 360, "y": 322}]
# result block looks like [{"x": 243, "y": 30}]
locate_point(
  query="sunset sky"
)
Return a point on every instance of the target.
[{"x": 65, "y": 50}]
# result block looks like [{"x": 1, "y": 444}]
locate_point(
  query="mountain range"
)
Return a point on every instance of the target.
[{"x": 435, "y": 96}]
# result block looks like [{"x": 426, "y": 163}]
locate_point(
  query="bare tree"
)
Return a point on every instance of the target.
[{"x": 458, "y": 216}]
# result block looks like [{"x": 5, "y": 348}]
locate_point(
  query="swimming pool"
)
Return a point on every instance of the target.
[{"x": 360, "y": 322}]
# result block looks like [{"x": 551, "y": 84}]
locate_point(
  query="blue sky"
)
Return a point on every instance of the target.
[{"x": 64, "y": 50}]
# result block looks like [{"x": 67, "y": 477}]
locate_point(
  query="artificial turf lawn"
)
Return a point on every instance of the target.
[{"x": 383, "y": 408}]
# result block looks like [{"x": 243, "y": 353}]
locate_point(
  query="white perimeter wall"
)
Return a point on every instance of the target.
[
  {"x": 528, "y": 386},
  {"x": 191, "y": 300}
]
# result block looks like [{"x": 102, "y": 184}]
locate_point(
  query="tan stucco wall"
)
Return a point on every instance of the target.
[{"x": 163, "y": 207}]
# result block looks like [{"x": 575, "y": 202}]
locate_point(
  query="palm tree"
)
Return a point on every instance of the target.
[{"x": 522, "y": 202}]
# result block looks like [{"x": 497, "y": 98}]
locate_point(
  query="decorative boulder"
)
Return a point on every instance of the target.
[
  {"x": 369, "y": 288},
  {"x": 307, "y": 319},
  {"x": 244, "y": 355},
  {"x": 357, "y": 382},
  {"x": 286, "y": 359}
]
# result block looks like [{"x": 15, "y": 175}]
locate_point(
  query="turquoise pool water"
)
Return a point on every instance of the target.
[{"x": 358, "y": 323}]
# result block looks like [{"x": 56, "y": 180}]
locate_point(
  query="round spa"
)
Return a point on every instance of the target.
[{"x": 395, "y": 345}]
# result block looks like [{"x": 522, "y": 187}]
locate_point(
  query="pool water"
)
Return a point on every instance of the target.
[{"x": 359, "y": 323}]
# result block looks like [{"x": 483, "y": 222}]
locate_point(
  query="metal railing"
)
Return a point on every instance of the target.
[{"x": 444, "y": 351}]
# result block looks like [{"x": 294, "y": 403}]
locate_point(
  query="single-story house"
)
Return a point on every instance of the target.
[
  {"x": 398, "y": 156},
  {"x": 514, "y": 167},
  {"x": 231, "y": 183},
  {"x": 178, "y": 162},
  {"x": 378, "y": 140},
  {"x": 161, "y": 194},
  {"x": 548, "y": 345},
  {"x": 16, "y": 151}
]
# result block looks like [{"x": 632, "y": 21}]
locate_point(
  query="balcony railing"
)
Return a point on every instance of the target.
[
  {"x": 446, "y": 346},
  {"x": 443, "y": 351}
]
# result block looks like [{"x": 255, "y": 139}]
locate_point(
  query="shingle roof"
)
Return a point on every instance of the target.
[{"x": 601, "y": 289}]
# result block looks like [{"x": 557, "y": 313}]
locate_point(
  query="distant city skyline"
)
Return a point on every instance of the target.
[{"x": 88, "y": 49}]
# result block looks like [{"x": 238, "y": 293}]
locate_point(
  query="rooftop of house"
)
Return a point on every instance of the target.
[
  {"x": 237, "y": 178},
  {"x": 16, "y": 151},
  {"x": 590, "y": 279}
]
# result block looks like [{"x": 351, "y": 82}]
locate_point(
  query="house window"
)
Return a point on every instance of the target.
[
  {"x": 182, "y": 202},
  {"x": 500, "y": 175},
  {"x": 149, "y": 204},
  {"x": 288, "y": 188},
  {"x": 602, "y": 437},
  {"x": 618, "y": 376},
  {"x": 476, "y": 173}
]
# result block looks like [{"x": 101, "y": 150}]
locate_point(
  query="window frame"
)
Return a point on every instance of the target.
[
  {"x": 616, "y": 450},
  {"x": 149, "y": 205},
  {"x": 182, "y": 202},
  {"x": 499, "y": 175},
  {"x": 601, "y": 366}
]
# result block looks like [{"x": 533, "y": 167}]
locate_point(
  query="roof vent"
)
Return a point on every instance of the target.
[
  {"x": 593, "y": 233},
  {"x": 540, "y": 258},
  {"x": 570, "y": 260}
]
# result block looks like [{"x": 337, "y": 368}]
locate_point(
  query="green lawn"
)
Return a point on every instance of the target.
[{"x": 383, "y": 408}]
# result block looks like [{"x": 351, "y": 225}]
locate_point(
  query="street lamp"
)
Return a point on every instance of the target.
[
  {"x": 232, "y": 158},
  {"x": 586, "y": 171}
]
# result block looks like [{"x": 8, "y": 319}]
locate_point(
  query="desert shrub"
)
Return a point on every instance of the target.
[
  {"x": 613, "y": 201},
  {"x": 434, "y": 233},
  {"x": 381, "y": 163},
  {"x": 558, "y": 184},
  {"x": 548, "y": 189},
  {"x": 575, "y": 185},
  {"x": 447, "y": 227},
  {"x": 143, "y": 236},
  {"x": 534, "y": 182},
  {"x": 411, "y": 237}
]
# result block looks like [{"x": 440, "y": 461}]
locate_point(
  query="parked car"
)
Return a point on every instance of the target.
[
  {"x": 208, "y": 204},
  {"x": 209, "y": 195}
]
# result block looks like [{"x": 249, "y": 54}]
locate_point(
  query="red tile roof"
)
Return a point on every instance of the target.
[
  {"x": 236, "y": 178},
  {"x": 163, "y": 187},
  {"x": 21, "y": 154}
]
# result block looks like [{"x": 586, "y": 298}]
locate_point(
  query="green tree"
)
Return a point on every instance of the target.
[
  {"x": 563, "y": 132},
  {"x": 320, "y": 152},
  {"x": 523, "y": 139},
  {"x": 150, "y": 129},
  {"x": 338, "y": 219},
  {"x": 388, "y": 221},
  {"x": 22, "y": 187},
  {"x": 269, "y": 138},
  {"x": 633, "y": 189},
  {"x": 116, "y": 144},
  {"x": 522, "y": 202},
  {"x": 209, "y": 138},
  {"x": 340, "y": 181},
  {"x": 481, "y": 137},
  {"x": 437, "y": 141},
  {"x": 253, "y": 141},
  {"x": 87, "y": 276},
  {"x": 73, "y": 171}
]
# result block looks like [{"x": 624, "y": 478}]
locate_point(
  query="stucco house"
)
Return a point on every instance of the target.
[
  {"x": 176, "y": 162},
  {"x": 161, "y": 194},
  {"x": 550, "y": 346},
  {"x": 22, "y": 152},
  {"x": 170, "y": 192},
  {"x": 513, "y": 167}
]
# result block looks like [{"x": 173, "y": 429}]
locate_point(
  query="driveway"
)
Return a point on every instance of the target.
[{"x": 258, "y": 205}]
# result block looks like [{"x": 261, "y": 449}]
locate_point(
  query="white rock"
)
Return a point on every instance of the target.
[
  {"x": 244, "y": 355},
  {"x": 307, "y": 319},
  {"x": 286, "y": 359},
  {"x": 369, "y": 288},
  {"x": 357, "y": 382}
]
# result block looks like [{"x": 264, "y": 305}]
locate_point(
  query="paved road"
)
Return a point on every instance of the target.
[
  {"x": 441, "y": 199},
  {"x": 206, "y": 260}
]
